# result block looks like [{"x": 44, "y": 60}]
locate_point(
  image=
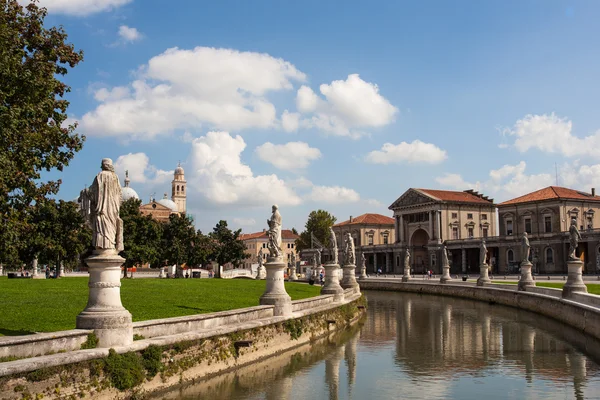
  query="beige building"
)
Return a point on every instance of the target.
[
  {"x": 258, "y": 240},
  {"x": 367, "y": 230},
  {"x": 163, "y": 208}
]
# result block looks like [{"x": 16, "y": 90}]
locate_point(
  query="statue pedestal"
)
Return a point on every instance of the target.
[
  {"x": 406, "y": 277},
  {"x": 61, "y": 273},
  {"x": 162, "y": 274},
  {"x": 34, "y": 268},
  {"x": 349, "y": 277},
  {"x": 261, "y": 273},
  {"x": 293, "y": 276},
  {"x": 484, "y": 277},
  {"x": 445, "y": 274},
  {"x": 332, "y": 282},
  {"x": 363, "y": 273},
  {"x": 104, "y": 312},
  {"x": 574, "y": 279},
  {"x": 526, "y": 278},
  {"x": 275, "y": 294}
]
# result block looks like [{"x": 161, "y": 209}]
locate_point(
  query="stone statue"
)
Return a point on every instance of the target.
[
  {"x": 407, "y": 259},
  {"x": 525, "y": 248},
  {"x": 101, "y": 203},
  {"x": 274, "y": 233},
  {"x": 333, "y": 248},
  {"x": 293, "y": 260},
  {"x": 363, "y": 260},
  {"x": 349, "y": 252},
  {"x": 318, "y": 258},
  {"x": 482, "y": 253},
  {"x": 574, "y": 238},
  {"x": 445, "y": 261},
  {"x": 260, "y": 257},
  {"x": 315, "y": 261}
]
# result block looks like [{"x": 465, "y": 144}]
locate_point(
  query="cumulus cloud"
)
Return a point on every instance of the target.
[
  {"x": 140, "y": 169},
  {"x": 184, "y": 89},
  {"x": 455, "y": 181},
  {"x": 79, "y": 7},
  {"x": 290, "y": 156},
  {"x": 415, "y": 152},
  {"x": 551, "y": 134},
  {"x": 332, "y": 195},
  {"x": 221, "y": 177},
  {"x": 244, "y": 221},
  {"x": 290, "y": 121},
  {"x": 348, "y": 107},
  {"x": 128, "y": 34}
]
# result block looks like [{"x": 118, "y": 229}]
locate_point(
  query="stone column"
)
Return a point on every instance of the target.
[
  {"x": 374, "y": 262},
  {"x": 574, "y": 279},
  {"x": 397, "y": 226},
  {"x": 484, "y": 277},
  {"x": 438, "y": 229},
  {"x": 401, "y": 228},
  {"x": 526, "y": 278},
  {"x": 387, "y": 262},
  {"x": 332, "y": 282},
  {"x": 275, "y": 294},
  {"x": 464, "y": 261},
  {"x": 349, "y": 277},
  {"x": 431, "y": 226},
  {"x": 104, "y": 312}
]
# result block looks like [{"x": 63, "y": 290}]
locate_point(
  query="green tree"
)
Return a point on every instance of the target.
[
  {"x": 178, "y": 237},
  {"x": 202, "y": 249},
  {"x": 34, "y": 134},
  {"x": 142, "y": 236},
  {"x": 318, "y": 224},
  {"x": 227, "y": 246}
]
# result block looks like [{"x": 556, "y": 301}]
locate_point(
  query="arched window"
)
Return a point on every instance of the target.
[
  {"x": 182, "y": 188},
  {"x": 510, "y": 255},
  {"x": 549, "y": 256},
  {"x": 177, "y": 188}
]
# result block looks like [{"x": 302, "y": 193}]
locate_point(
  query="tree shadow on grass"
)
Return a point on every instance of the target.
[
  {"x": 199, "y": 310},
  {"x": 11, "y": 332}
]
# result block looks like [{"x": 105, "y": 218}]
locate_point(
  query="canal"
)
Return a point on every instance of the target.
[{"x": 413, "y": 346}]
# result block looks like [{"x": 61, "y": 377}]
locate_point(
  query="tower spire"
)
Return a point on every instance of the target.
[{"x": 127, "y": 178}]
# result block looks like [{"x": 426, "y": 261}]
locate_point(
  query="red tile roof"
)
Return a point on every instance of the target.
[
  {"x": 468, "y": 196},
  {"x": 285, "y": 234},
  {"x": 369, "y": 219},
  {"x": 552, "y": 193}
]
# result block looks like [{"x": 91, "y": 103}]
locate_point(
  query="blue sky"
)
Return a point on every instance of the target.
[{"x": 334, "y": 105}]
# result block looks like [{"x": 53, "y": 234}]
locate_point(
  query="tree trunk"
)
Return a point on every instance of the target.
[{"x": 124, "y": 271}]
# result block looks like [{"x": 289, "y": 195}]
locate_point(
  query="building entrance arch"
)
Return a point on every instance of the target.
[{"x": 418, "y": 245}]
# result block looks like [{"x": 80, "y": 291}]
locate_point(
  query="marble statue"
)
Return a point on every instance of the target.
[
  {"x": 407, "y": 259},
  {"x": 333, "y": 248},
  {"x": 482, "y": 253},
  {"x": 318, "y": 257},
  {"x": 315, "y": 262},
  {"x": 363, "y": 260},
  {"x": 260, "y": 257},
  {"x": 101, "y": 204},
  {"x": 445, "y": 261},
  {"x": 574, "y": 238},
  {"x": 293, "y": 260},
  {"x": 525, "y": 248},
  {"x": 349, "y": 251},
  {"x": 274, "y": 233}
]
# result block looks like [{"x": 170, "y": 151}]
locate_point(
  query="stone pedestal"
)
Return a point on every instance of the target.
[
  {"x": 293, "y": 276},
  {"x": 445, "y": 274},
  {"x": 262, "y": 272},
  {"x": 363, "y": 273},
  {"x": 332, "y": 282},
  {"x": 526, "y": 278},
  {"x": 104, "y": 312},
  {"x": 406, "y": 277},
  {"x": 61, "y": 273},
  {"x": 484, "y": 277},
  {"x": 349, "y": 277},
  {"x": 574, "y": 279},
  {"x": 34, "y": 267},
  {"x": 162, "y": 274},
  {"x": 1, "y": 269},
  {"x": 275, "y": 294}
]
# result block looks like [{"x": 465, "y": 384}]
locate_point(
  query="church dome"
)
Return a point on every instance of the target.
[
  {"x": 179, "y": 170},
  {"x": 127, "y": 192},
  {"x": 168, "y": 203}
]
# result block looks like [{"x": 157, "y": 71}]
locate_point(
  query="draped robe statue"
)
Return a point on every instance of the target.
[
  {"x": 525, "y": 248},
  {"x": 482, "y": 253},
  {"x": 407, "y": 259},
  {"x": 349, "y": 251},
  {"x": 333, "y": 248},
  {"x": 574, "y": 238},
  {"x": 104, "y": 201},
  {"x": 274, "y": 233},
  {"x": 445, "y": 261}
]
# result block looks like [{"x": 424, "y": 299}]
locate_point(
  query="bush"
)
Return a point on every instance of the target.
[
  {"x": 91, "y": 342},
  {"x": 152, "y": 360},
  {"x": 124, "y": 370}
]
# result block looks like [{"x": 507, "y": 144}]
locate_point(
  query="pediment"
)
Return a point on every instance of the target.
[
  {"x": 154, "y": 206},
  {"x": 507, "y": 215},
  {"x": 547, "y": 211},
  {"x": 411, "y": 197},
  {"x": 574, "y": 210}
]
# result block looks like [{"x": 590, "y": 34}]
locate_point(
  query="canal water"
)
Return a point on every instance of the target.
[{"x": 413, "y": 346}]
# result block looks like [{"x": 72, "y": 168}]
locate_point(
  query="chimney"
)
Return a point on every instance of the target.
[
  {"x": 593, "y": 191},
  {"x": 351, "y": 218},
  {"x": 264, "y": 230}
]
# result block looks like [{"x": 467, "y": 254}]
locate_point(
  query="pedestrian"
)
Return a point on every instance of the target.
[{"x": 321, "y": 278}]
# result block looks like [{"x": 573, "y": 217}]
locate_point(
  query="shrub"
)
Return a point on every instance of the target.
[
  {"x": 124, "y": 370},
  {"x": 152, "y": 360},
  {"x": 91, "y": 342}
]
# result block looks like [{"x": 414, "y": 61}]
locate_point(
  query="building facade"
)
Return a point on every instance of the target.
[
  {"x": 163, "y": 208},
  {"x": 258, "y": 240}
]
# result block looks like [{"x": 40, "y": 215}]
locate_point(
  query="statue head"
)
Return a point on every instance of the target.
[
  {"x": 574, "y": 222},
  {"x": 524, "y": 234},
  {"x": 275, "y": 208},
  {"x": 107, "y": 165}
]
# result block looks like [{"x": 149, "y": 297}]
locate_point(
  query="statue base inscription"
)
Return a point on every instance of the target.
[
  {"x": 275, "y": 294},
  {"x": 332, "y": 282},
  {"x": 484, "y": 277},
  {"x": 445, "y": 274},
  {"x": 526, "y": 278},
  {"x": 349, "y": 277},
  {"x": 574, "y": 282},
  {"x": 104, "y": 312}
]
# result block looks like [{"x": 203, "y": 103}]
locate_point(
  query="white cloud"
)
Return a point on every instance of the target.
[
  {"x": 244, "y": 221},
  {"x": 290, "y": 121},
  {"x": 414, "y": 152},
  {"x": 551, "y": 134},
  {"x": 223, "y": 179},
  {"x": 116, "y": 93},
  {"x": 300, "y": 183},
  {"x": 373, "y": 203},
  {"x": 181, "y": 89},
  {"x": 79, "y": 7},
  {"x": 140, "y": 169},
  {"x": 290, "y": 156},
  {"x": 332, "y": 195},
  {"x": 455, "y": 181},
  {"x": 129, "y": 34},
  {"x": 348, "y": 107}
]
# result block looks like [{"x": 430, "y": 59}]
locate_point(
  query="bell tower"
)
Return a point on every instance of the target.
[{"x": 179, "y": 189}]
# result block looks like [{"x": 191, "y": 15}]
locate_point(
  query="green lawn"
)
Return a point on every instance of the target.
[
  {"x": 31, "y": 305},
  {"x": 593, "y": 288}
]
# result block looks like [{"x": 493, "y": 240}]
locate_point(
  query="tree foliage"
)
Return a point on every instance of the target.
[
  {"x": 318, "y": 224},
  {"x": 227, "y": 246},
  {"x": 178, "y": 236},
  {"x": 33, "y": 114}
]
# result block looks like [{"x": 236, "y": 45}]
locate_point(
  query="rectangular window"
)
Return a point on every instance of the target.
[
  {"x": 292, "y": 245},
  {"x": 528, "y": 225},
  {"x": 484, "y": 217},
  {"x": 485, "y": 232},
  {"x": 469, "y": 216},
  {"x": 288, "y": 245},
  {"x": 385, "y": 239},
  {"x": 548, "y": 224},
  {"x": 264, "y": 245},
  {"x": 454, "y": 215},
  {"x": 509, "y": 227},
  {"x": 470, "y": 232},
  {"x": 454, "y": 233},
  {"x": 370, "y": 239}
]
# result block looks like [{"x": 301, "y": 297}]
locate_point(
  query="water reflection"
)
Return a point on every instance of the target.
[{"x": 412, "y": 346}]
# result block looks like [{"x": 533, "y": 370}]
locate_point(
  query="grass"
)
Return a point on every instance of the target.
[
  {"x": 48, "y": 305},
  {"x": 593, "y": 288}
]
